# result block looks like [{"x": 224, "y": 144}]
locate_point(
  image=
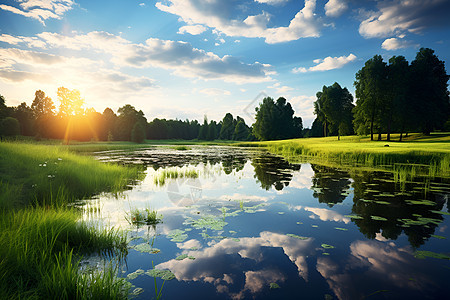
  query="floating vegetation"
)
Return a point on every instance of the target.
[
  {"x": 253, "y": 209},
  {"x": 235, "y": 240},
  {"x": 146, "y": 248},
  {"x": 297, "y": 236},
  {"x": 420, "y": 221},
  {"x": 340, "y": 228},
  {"x": 439, "y": 236},
  {"x": 137, "y": 291},
  {"x": 382, "y": 202},
  {"x": 143, "y": 217},
  {"x": 214, "y": 237},
  {"x": 164, "y": 274},
  {"x": 425, "y": 254},
  {"x": 354, "y": 217},
  {"x": 177, "y": 236},
  {"x": 184, "y": 256},
  {"x": 421, "y": 202},
  {"x": 232, "y": 232},
  {"x": 378, "y": 218},
  {"x": 299, "y": 223},
  {"x": 325, "y": 253},
  {"x": 206, "y": 222},
  {"x": 181, "y": 148},
  {"x": 135, "y": 274},
  {"x": 326, "y": 246},
  {"x": 281, "y": 213},
  {"x": 315, "y": 226},
  {"x": 173, "y": 173},
  {"x": 440, "y": 212},
  {"x": 273, "y": 285}
]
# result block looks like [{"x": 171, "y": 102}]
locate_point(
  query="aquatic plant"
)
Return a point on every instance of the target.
[
  {"x": 145, "y": 216},
  {"x": 173, "y": 173}
]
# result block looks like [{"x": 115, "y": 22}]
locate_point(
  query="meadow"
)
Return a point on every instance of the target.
[
  {"x": 427, "y": 155},
  {"x": 41, "y": 237}
]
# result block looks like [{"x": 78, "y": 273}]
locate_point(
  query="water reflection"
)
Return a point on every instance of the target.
[{"x": 251, "y": 219}]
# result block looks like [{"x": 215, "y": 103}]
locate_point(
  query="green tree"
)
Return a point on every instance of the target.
[
  {"x": 128, "y": 116},
  {"x": 43, "y": 109},
  {"x": 24, "y": 114},
  {"x": 275, "y": 120},
  {"x": 241, "y": 131},
  {"x": 228, "y": 127},
  {"x": 70, "y": 101},
  {"x": 138, "y": 133},
  {"x": 371, "y": 85},
  {"x": 203, "y": 132},
  {"x": 336, "y": 107},
  {"x": 402, "y": 111},
  {"x": 429, "y": 90},
  {"x": 9, "y": 127}
]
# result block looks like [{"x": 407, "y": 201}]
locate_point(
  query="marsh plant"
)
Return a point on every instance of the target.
[
  {"x": 174, "y": 173},
  {"x": 145, "y": 216}
]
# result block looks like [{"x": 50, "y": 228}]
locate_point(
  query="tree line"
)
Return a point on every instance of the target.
[{"x": 397, "y": 96}]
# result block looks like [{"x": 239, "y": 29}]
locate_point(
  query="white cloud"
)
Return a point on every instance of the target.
[
  {"x": 192, "y": 29},
  {"x": 394, "y": 18},
  {"x": 326, "y": 64},
  {"x": 395, "y": 43},
  {"x": 335, "y": 8},
  {"x": 40, "y": 10},
  {"x": 304, "y": 107},
  {"x": 272, "y": 2},
  {"x": 180, "y": 57},
  {"x": 216, "y": 14},
  {"x": 214, "y": 92},
  {"x": 280, "y": 89},
  {"x": 142, "y": 4}
]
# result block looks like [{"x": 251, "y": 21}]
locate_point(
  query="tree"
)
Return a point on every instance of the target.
[
  {"x": 43, "y": 110},
  {"x": 370, "y": 84},
  {"x": 70, "y": 102},
  {"x": 127, "y": 118},
  {"x": 275, "y": 120},
  {"x": 429, "y": 90},
  {"x": 108, "y": 128},
  {"x": 335, "y": 104},
  {"x": 3, "y": 108},
  {"x": 203, "y": 132},
  {"x": 228, "y": 127},
  {"x": 402, "y": 111},
  {"x": 241, "y": 131},
  {"x": 24, "y": 114},
  {"x": 138, "y": 133},
  {"x": 9, "y": 127}
]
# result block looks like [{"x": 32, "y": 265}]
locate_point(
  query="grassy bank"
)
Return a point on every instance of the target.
[
  {"x": 425, "y": 154},
  {"x": 42, "y": 174},
  {"x": 41, "y": 239}
]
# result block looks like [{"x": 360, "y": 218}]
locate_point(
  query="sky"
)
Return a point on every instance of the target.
[{"x": 190, "y": 58}]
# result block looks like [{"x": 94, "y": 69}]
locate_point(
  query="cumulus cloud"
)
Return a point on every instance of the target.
[
  {"x": 335, "y": 8},
  {"x": 272, "y": 2},
  {"x": 180, "y": 57},
  {"x": 394, "y": 18},
  {"x": 40, "y": 10},
  {"x": 192, "y": 29},
  {"x": 395, "y": 43},
  {"x": 217, "y": 14},
  {"x": 328, "y": 63},
  {"x": 214, "y": 92},
  {"x": 304, "y": 107}
]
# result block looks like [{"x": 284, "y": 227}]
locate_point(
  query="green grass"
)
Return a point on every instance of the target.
[
  {"x": 146, "y": 216},
  {"x": 39, "y": 256},
  {"x": 32, "y": 173},
  {"x": 430, "y": 155},
  {"x": 161, "y": 176}
]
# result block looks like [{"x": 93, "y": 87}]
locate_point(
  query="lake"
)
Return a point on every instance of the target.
[{"x": 242, "y": 223}]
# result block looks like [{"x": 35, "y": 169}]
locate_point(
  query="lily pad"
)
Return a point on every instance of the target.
[
  {"x": 281, "y": 213},
  {"x": 207, "y": 222},
  {"x": 137, "y": 291},
  {"x": 146, "y": 248},
  {"x": 273, "y": 285},
  {"x": 135, "y": 274},
  {"x": 181, "y": 257},
  {"x": 315, "y": 226},
  {"x": 177, "y": 236},
  {"x": 297, "y": 236},
  {"x": 164, "y": 274},
  {"x": 354, "y": 217},
  {"x": 339, "y": 228},
  {"x": 440, "y": 212},
  {"x": 326, "y": 246},
  {"x": 425, "y": 254},
  {"x": 377, "y": 218},
  {"x": 439, "y": 237}
]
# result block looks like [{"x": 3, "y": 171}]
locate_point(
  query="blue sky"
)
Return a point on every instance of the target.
[{"x": 190, "y": 58}]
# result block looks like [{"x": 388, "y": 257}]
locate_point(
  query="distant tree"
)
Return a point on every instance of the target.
[
  {"x": 336, "y": 107},
  {"x": 429, "y": 90},
  {"x": 371, "y": 85},
  {"x": 128, "y": 116},
  {"x": 9, "y": 127},
  {"x": 71, "y": 102},
  {"x": 43, "y": 110},
  {"x": 275, "y": 120},
  {"x": 24, "y": 114},
  {"x": 138, "y": 133},
  {"x": 109, "y": 124},
  {"x": 203, "y": 132},
  {"x": 241, "y": 131},
  {"x": 228, "y": 127},
  {"x": 3, "y": 108},
  {"x": 402, "y": 109}
]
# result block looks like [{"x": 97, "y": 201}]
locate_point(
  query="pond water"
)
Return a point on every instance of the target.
[{"x": 245, "y": 224}]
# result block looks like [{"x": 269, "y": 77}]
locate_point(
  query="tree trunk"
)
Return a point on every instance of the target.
[
  {"x": 325, "y": 129},
  {"x": 379, "y": 134},
  {"x": 388, "y": 137},
  {"x": 401, "y": 134},
  {"x": 371, "y": 129}
]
